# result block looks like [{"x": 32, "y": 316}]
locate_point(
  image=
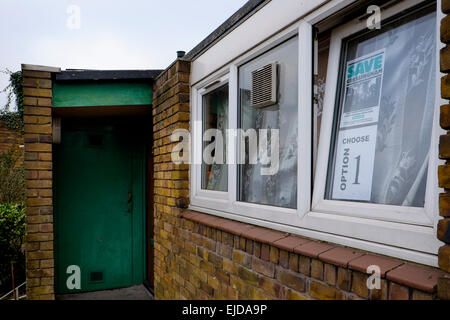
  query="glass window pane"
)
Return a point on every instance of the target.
[
  {"x": 215, "y": 122},
  {"x": 383, "y": 132},
  {"x": 279, "y": 189}
]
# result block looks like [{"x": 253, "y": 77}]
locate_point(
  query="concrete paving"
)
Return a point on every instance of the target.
[{"x": 131, "y": 293}]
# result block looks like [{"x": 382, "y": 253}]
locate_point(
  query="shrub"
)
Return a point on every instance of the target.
[
  {"x": 12, "y": 233},
  {"x": 12, "y": 218},
  {"x": 14, "y": 94}
]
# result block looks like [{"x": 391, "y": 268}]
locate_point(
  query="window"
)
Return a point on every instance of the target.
[
  {"x": 375, "y": 176},
  {"x": 254, "y": 103},
  {"x": 215, "y": 123},
  {"x": 280, "y": 188},
  {"x": 380, "y": 85},
  {"x": 384, "y": 116}
]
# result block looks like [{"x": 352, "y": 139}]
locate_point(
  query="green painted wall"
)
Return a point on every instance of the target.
[{"x": 101, "y": 93}]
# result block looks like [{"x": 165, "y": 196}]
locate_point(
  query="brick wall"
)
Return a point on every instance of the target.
[
  {"x": 204, "y": 257},
  {"x": 38, "y": 181},
  {"x": 228, "y": 259},
  {"x": 10, "y": 138},
  {"x": 444, "y": 153},
  {"x": 171, "y": 194}
]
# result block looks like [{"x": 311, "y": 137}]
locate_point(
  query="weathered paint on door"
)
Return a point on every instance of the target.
[{"x": 100, "y": 203}]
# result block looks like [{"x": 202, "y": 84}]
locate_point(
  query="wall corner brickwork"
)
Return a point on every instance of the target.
[
  {"x": 171, "y": 181},
  {"x": 38, "y": 182},
  {"x": 444, "y": 153}
]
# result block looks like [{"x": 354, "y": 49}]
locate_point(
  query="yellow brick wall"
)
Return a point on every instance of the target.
[
  {"x": 171, "y": 184},
  {"x": 38, "y": 184}
]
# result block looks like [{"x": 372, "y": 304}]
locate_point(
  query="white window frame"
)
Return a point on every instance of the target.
[
  {"x": 409, "y": 224},
  {"x": 227, "y": 201},
  {"x": 408, "y": 215},
  {"x": 340, "y": 222},
  {"x": 220, "y": 197}
]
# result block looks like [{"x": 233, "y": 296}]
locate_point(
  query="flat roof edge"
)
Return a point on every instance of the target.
[
  {"x": 248, "y": 9},
  {"x": 35, "y": 67},
  {"x": 89, "y": 75}
]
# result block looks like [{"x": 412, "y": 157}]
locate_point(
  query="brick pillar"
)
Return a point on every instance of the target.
[
  {"x": 38, "y": 181},
  {"x": 171, "y": 181},
  {"x": 444, "y": 153}
]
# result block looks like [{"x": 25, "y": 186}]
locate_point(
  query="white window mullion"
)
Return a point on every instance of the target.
[
  {"x": 233, "y": 143},
  {"x": 305, "y": 69}
]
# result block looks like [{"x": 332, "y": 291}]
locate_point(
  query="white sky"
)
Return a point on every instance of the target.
[{"x": 113, "y": 34}]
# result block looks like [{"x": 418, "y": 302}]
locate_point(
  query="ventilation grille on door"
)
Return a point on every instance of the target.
[
  {"x": 96, "y": 276},
  {"x": 264, "y": 86}
]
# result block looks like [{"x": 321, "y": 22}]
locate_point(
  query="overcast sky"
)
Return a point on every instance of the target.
[{"x": 112, "y": 34}]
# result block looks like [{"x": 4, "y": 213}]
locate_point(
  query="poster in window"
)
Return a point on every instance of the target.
[
  {"x": 355, "y": 153},
  {"x": 363, "y": 84},
  {"x": 389, "y": 83},
  {"x": 355, "y": 157}
]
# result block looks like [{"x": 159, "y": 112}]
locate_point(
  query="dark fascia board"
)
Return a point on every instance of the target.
[
  {"x": 231, "y": 23},
  {"x": 86, "y": 75}
]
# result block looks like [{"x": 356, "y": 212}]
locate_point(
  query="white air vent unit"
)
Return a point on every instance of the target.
[{"x": 264, "y": 86}]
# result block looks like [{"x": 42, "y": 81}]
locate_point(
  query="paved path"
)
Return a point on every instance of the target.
[{"x": 131, "y": 293}]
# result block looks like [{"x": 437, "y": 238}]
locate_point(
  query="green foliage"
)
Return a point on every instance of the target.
[
  {"x": 12, "y": 190},
  {"x": 12, "y": 180},
  {"x": 12, "y": 218},
  {"x": 13, "y": 119},
  {"x": 12, "y": 233},
  {"x": 12, "y": 229}
]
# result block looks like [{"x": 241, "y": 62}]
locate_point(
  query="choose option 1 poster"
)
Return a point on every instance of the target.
[{"x": 354, "y": 160}]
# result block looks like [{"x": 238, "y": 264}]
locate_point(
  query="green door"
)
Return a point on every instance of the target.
[{"x": 99, "y": 179}]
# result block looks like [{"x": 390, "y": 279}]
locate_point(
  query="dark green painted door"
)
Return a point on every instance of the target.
[{"x": 99, "y": 204}]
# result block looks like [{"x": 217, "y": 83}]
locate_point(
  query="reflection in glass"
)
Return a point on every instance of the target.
[
  {"x": 279, "y": 189},
  {"x": 215, "y": 116},
  {"x": 383, "y": 134}
]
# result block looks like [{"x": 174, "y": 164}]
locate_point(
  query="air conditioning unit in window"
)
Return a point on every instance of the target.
[{"x": 265, "y": 86}]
